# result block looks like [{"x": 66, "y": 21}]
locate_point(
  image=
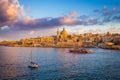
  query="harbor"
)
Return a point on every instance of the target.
[
  {"x": 60, "y": 40},
  {"x": 57, "y": 64}
]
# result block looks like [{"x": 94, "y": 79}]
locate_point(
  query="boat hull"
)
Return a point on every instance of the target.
[
  {"x": 79, "y": 51},
  {"x": 33, "y": 65}
]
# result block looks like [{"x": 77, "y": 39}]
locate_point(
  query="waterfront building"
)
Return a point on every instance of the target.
[{"x": 63, "y": 39}]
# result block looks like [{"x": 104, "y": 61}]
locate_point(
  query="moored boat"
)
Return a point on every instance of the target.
[
  {"x": 79, "y": 51},
  {"x": 32, "y": 64}
]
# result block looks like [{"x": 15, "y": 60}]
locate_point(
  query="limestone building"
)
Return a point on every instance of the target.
[{"x": 62, "y": 36}]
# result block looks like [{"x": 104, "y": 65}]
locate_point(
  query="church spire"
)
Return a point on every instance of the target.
[{"x": 58, "y": 33}]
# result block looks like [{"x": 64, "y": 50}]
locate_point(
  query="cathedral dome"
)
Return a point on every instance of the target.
[{"x": 64, "y": 32}]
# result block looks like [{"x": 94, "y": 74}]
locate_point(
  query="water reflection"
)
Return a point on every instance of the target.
[{"x": 57, "y": 64}]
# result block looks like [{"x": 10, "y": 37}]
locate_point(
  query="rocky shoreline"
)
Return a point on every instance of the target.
[
  {"x": 100, "y": 45},
  {"x": 113, "y": 47}
]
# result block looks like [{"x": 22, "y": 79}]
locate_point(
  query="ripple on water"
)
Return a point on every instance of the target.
[{"x": 56, "y": 64}]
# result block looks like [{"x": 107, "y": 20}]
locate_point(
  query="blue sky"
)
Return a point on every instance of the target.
[
  {"x": 31, "y": 18},
  {"x": 55, "y": 8}
]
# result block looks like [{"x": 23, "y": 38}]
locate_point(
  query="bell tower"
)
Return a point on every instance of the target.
[{"x": 58, "y": 34}]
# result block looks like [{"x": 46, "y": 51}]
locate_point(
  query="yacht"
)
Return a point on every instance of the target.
[{"x": 32, "y": 64}]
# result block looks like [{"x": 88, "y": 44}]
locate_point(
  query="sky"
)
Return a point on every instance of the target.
[{"x": 32, "y": 18}]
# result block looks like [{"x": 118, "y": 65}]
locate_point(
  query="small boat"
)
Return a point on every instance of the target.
[
  {"x": 32, "y": 64},
  {"x": 78, "y": 49}
]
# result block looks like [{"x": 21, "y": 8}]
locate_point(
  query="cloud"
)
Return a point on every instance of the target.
[
  {"x": 46, "y": 23},
  {"x": 28, "y": 23},
  {"x": 72, "y": 14},
  {"x": 68, "y": 19},
  {"x": 113, "y": 29},
  {"x": 104, "y": 8},
  {"x": 96, "y": 10},
  {"x": 12, "y": 15},
  {"x": 108, "y": 14},
  {"x": 4, "y": 27},
  {"x": 10, "y": 10},
  {"x": 116, "y": 18},
  {"x": 86, "y": 20},
  {"x": 107, "y": 19},
  {"x": 94, "y": 30},
  {"x": 13, "y": 19},
  {"x": 83, "y": 17},
  {"x": 107, "y": 11},
  {"x": 31, "y": 32}
]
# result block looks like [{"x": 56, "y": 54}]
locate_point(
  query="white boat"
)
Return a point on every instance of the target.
[{"x": 32, "y": 64}]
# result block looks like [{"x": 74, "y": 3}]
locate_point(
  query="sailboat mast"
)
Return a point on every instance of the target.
[{"x": 31, "y": 55}]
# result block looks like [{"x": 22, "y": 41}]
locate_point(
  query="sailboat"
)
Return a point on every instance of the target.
[
  {"x": 79, "y": 50},
  {"x": 32, "y": 64}
]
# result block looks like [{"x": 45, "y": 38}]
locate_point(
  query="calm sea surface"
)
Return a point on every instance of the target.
[{"x": 58, "y": 64}]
